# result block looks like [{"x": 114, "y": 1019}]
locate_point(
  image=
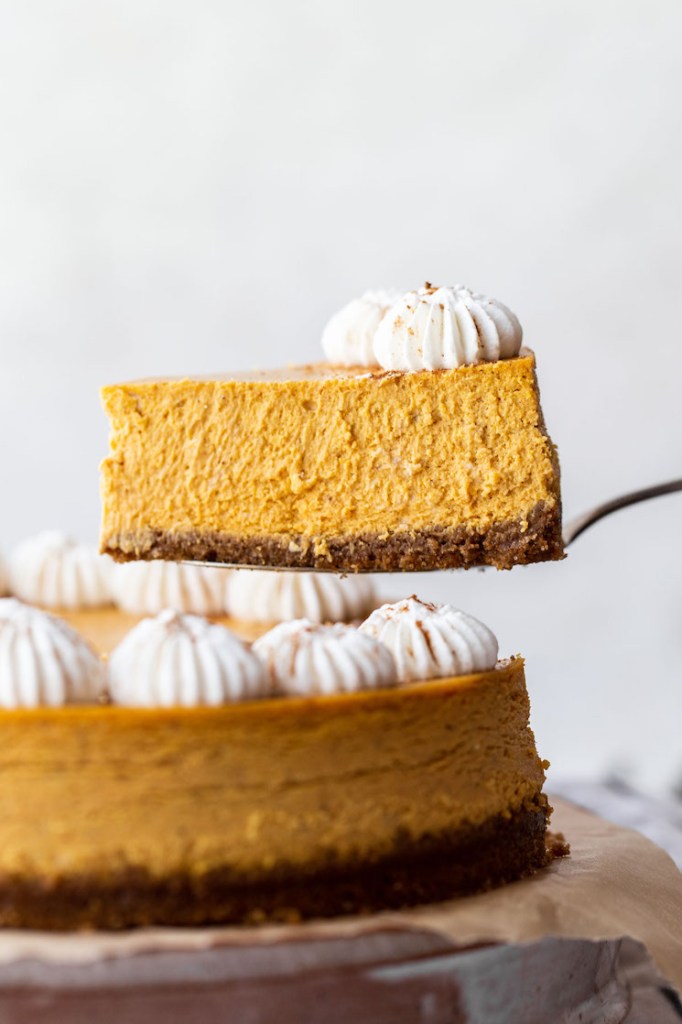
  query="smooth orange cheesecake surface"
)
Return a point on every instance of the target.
[
  {"x": 278, "y": 808},
  {"x": 326, "y": 466},
  {"x": 104, "y": 628}
]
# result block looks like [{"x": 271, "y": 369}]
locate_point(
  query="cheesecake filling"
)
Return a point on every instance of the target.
[{"x": 438, "y": 469}]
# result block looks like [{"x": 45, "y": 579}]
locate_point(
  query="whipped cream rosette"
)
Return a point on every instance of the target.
[
  {"x": 43, "y": 661},
  {"x": 54, "y": 571},
  {"x": 348, "y": 338},
  {"x": 178, "y": 660},
  {"x": 430, "y": 641},
  {"x": 308, "y": 659},
  {"x": 145, "y": 588},
  {"x": 262, "y": 596},
  {"x": 442, "y": 328}
]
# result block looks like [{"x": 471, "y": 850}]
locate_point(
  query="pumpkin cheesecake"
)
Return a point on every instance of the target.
[
  {"x": 327, "y": 779},
  {"x": 334, "y": 467}
]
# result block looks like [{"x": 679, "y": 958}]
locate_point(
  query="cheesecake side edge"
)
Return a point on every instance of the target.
[{"x": 419, "y": 871}]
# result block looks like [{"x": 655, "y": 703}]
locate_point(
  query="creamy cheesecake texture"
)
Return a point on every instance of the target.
[
  {"x": 323, "y": 466},
  {"x": 272, "y": 808}
]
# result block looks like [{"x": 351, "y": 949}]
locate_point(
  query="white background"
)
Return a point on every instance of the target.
[{"x": 197, "y": 186}]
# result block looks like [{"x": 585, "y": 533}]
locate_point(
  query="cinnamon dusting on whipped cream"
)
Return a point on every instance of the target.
[
  {"x": 430, "y": 641},
  {"x": 308, "y": 659}
]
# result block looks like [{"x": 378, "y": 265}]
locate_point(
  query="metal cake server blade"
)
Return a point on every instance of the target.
[{"x": 579, "y": 524}]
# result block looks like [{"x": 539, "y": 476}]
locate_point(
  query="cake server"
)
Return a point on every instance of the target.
[
  {"x": 579, "y": 524},
  {"x": 571, "y": 530}
]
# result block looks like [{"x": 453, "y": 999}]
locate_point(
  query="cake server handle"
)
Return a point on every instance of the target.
[{"x": 581, "y": 523}]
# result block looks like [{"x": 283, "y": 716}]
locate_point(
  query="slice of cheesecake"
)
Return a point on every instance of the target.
[{"x": 334, "y": 467}]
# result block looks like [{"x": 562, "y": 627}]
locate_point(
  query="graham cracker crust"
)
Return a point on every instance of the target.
[
  {"x": 429, "y": 870},
  {"x": 536, "y": 538}
]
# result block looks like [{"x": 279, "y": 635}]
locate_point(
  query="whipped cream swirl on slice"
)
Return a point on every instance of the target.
[
  {"x": 430, "y": 641},
  {"x": 43, "y": 661},
  {"x": 442, "y": 328},
  {"x": 54, "y": 571},
  {"x": 145, "y": 588},
  {"x": 176, "y": 660},
  {"x": 262, "y": 596},
  {"x": 308, "y": 659},
  {"x": 348, "y": 338}
]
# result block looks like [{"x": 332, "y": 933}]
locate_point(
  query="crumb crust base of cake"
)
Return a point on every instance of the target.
[
  {"x": 534, "y": 538},
  {"x": 428, "y": 870}
]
